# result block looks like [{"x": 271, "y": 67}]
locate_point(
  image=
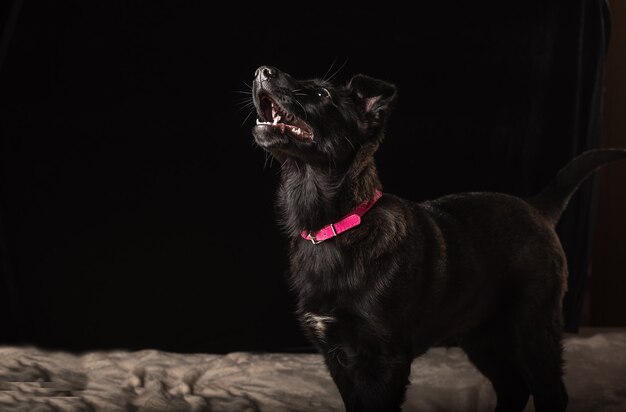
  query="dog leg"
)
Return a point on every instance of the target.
[
  {"x": 372, "y": 384},
  {"x": 491, "y": 354},
  {"x": 540, "y": 357}
]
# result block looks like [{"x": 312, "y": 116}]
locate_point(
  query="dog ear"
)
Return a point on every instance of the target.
[{"x": 374, "y": 97}]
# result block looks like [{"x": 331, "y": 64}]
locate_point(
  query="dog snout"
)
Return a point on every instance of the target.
[{"x": 265, "y": 73}]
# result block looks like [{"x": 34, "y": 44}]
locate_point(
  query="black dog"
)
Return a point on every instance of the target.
[{"x": 379, "y": 281}]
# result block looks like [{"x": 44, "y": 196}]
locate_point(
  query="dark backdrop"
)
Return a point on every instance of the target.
[{"x": 136, "y": 211}]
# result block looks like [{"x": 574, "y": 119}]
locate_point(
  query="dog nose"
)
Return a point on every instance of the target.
[{"x": 265, "y": 73}]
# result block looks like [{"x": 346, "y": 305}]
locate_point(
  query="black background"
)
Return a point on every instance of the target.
[{"x": 136, "y": 210}]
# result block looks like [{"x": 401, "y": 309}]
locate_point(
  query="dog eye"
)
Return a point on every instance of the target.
[{"x": 323, "y": 92}]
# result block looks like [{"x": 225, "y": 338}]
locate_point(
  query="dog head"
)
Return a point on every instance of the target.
[{"x": 314, "y": 120}]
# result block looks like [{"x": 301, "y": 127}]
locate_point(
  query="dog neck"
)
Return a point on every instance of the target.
[{"x": 310, "y": 197}]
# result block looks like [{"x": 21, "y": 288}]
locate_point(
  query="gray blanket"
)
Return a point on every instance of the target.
[{"x": 34, "y": 380}]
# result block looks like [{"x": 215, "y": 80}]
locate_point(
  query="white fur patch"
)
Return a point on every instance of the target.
[{"x": 318, "y": 323}]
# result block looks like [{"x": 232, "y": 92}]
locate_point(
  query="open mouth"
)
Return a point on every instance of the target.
[{"x": 277, "y": 117}]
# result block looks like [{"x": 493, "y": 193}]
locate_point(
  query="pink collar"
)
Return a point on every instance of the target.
[{"x": 351, "y": 220}]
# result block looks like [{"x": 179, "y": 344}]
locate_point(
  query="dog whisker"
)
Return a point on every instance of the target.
[
  {"x": 245, "y": 100},
  {"x": 329, "y": 69},
  {"x": 247, "y": 117},
  {"x": 348, "y": 140},
  {"x": 283, "y": 164},
  {"x": 267, "y": 155},
  {"x": 241, "y": 99},
  {"x": 245, "y": 104},
  {"x": 303, "y": 109},
  {"x": 338, "y": 70},
  {"x": 247, "y": 107}
]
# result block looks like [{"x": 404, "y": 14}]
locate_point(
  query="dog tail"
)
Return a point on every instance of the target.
[{"x": 553, "y": 200}]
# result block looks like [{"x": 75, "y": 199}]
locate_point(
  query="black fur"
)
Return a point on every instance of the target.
[{"x": 485, "y": 271}]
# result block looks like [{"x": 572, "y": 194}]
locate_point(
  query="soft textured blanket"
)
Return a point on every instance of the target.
[{"x": 34, "y": 380}]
